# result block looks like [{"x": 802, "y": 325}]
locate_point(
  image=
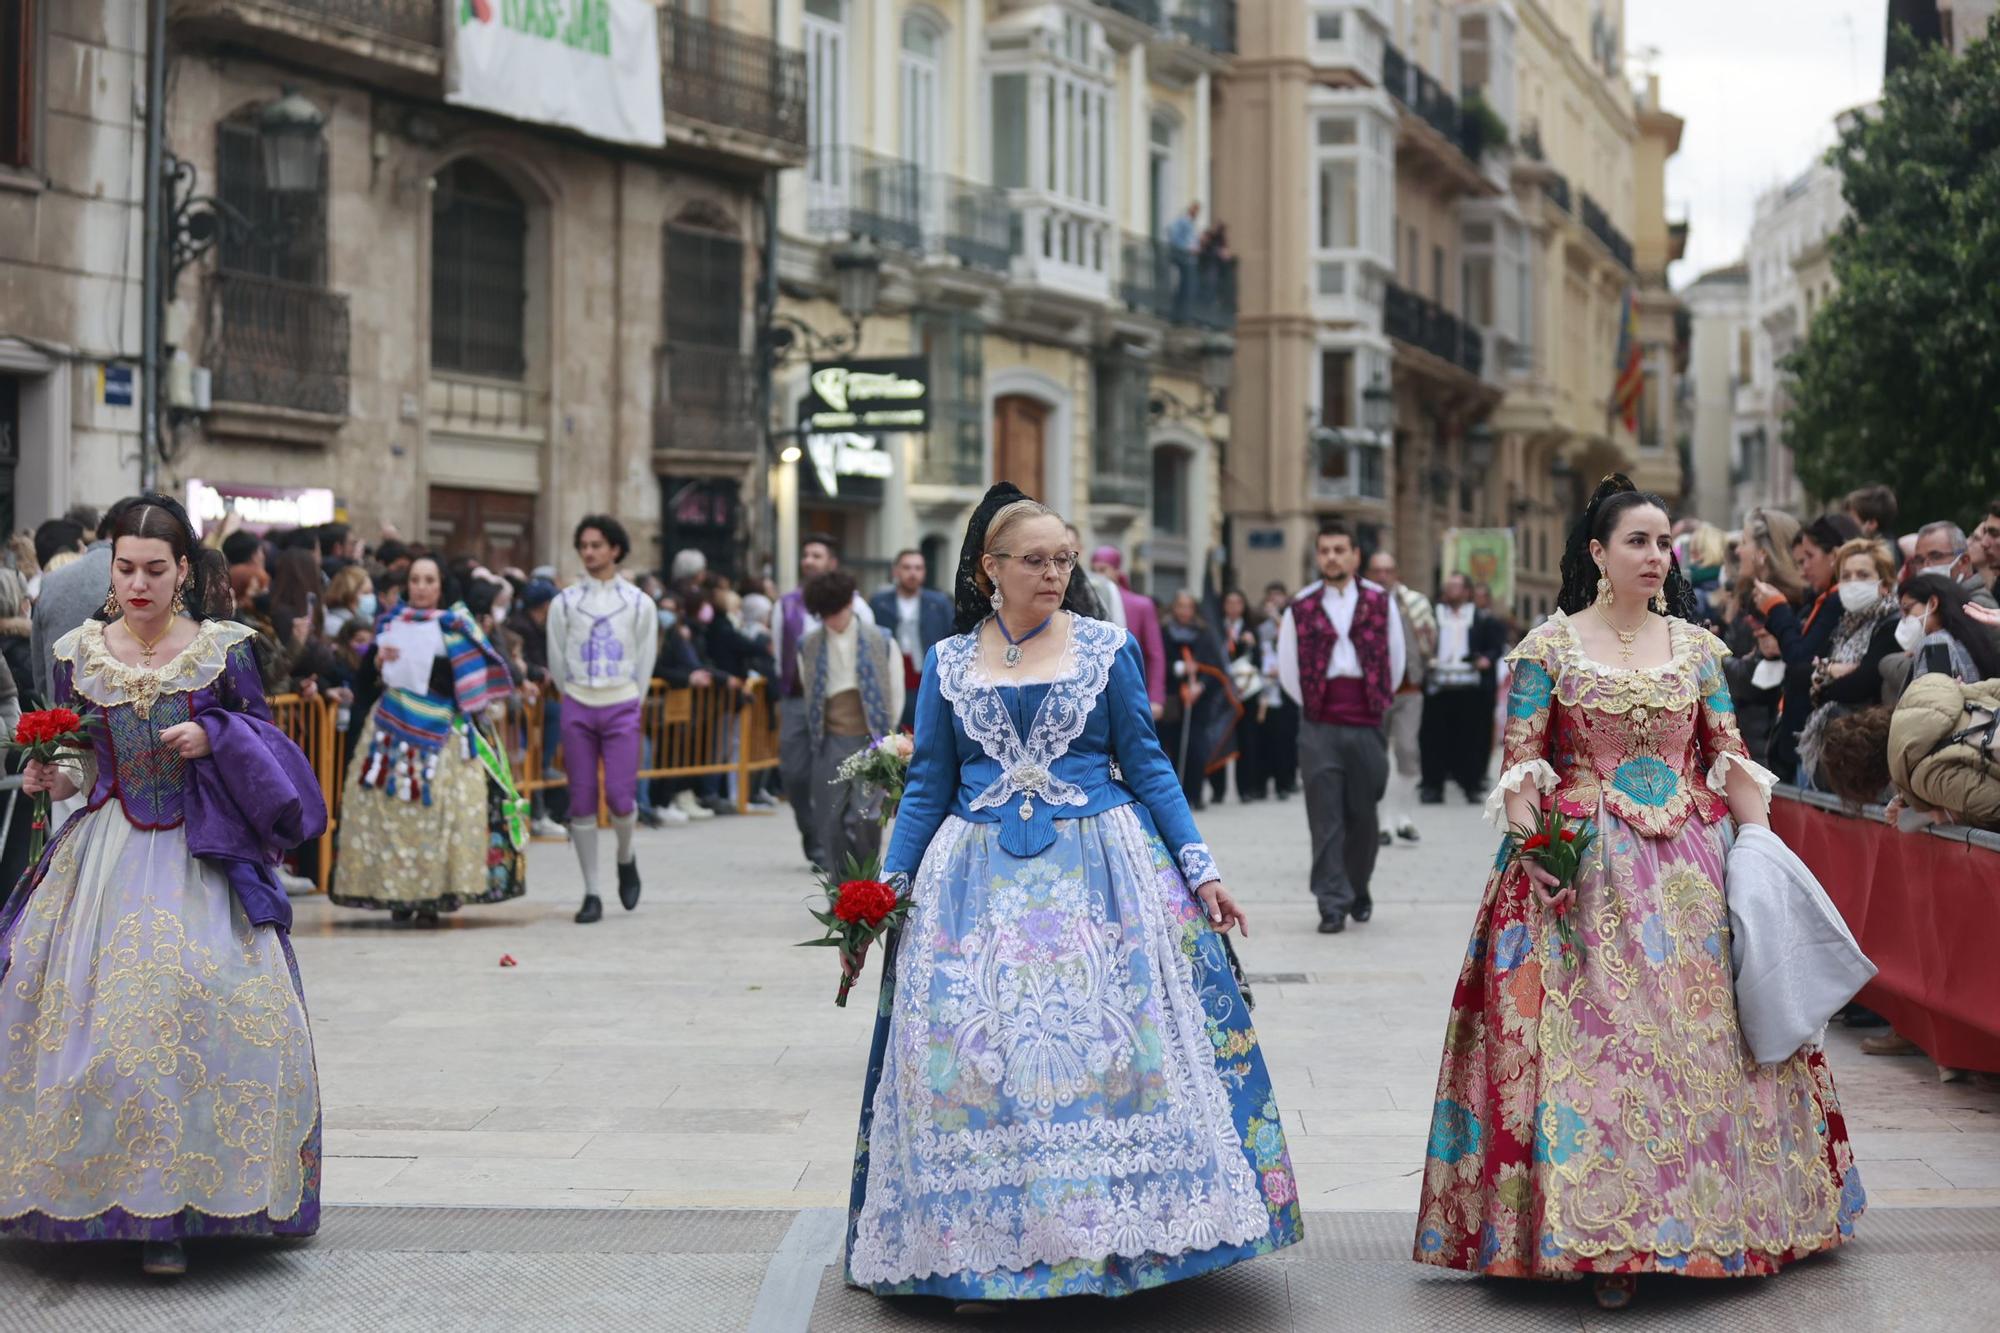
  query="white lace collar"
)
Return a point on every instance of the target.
[
  {"x": 104, "y": 680},
  {"x": 1026, "y": 763}
]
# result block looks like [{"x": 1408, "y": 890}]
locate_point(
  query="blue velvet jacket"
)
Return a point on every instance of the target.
[{"x": 1024, "y": 756}]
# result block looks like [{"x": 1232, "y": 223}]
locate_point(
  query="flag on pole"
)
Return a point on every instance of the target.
[{"x": 1628, "y": 370}]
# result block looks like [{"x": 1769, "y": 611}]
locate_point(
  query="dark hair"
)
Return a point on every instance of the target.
[
  {"x": 1614, "y": 498},
  {"x": 1335, "y": 527},
  {"x": 218, "y": 598},
  {"x": 332, "y": 535},
  {"x": 1951, "y": 597},
  {"x": 821, "y": 539},
  {"x": 154, "y": 517},
  {"x": 479, "y": 596},
  {"x": 86, "y": 517},
  {"x": 240, "y": 548},
  {"x": 608, "y": 528},
  {"x": 1829, "y": 532},
  {"x": 297, "y": 587},
  {"x": 829, "y": 593},
  {"x": 1873, "y": 504},
  {"x": 1854, "y": 758},
  {"x": 390, "y": 551},
  {"x": 296, "y": 539},
  {"x": 54, "y": 537},
  {"x": 450, "y": 593},
  {"x": 907, "y": 550},
  {"x": 1279, "y": 587}
]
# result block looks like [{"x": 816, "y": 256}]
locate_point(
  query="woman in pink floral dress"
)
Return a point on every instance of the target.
[{"x": 1597, "y": 1111}]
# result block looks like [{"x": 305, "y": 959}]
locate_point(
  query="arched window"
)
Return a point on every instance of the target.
[
  {"x": 479, "y": 273},
  {"x": 286, "y": 237},
  {"x": 704, "y": 266},
  {"x": 922, "y": 70}
]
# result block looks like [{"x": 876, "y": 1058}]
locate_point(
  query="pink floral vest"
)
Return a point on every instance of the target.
[{"x": 1338, "y": 701}]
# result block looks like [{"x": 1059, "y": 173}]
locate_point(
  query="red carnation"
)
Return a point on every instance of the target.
[
  {"x": 1568, "y": 834},
  {"x": 1538, "y": 840},
  {"x": 41, "y": 736},
  {"x": 864, "y": 902}
]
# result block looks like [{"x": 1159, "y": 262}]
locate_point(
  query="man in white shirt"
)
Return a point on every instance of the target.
[
  {"x": 818, "y": 554},
  {"x": 1457, "y": 733},
  {"x": 603, "y": 637},
  {"x": 852, "y": 677},
  {"x": 1340, "y": 652},
  {"x": 1406, "y": 713}
]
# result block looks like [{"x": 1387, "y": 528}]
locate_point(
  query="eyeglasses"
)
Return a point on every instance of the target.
[
  {"x": 1062, "y": 562},
  {"x": 1936, "y": 558}
]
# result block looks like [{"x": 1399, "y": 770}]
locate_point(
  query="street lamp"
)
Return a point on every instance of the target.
[
  {"x": 1479, "y": 447},
  {"x": 1378, "y": 407},
  {"x": 857, "y": 280},
  {"x": 289, "y": 134},
  {"x": 1218, "y": 363}
]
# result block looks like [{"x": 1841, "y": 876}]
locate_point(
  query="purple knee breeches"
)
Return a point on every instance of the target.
[{"x": 610, "y": 734}]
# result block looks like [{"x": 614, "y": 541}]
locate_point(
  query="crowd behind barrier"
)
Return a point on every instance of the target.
[
  {"x": 1925, "y": 908},
  {"x": 694, "y": 732}
]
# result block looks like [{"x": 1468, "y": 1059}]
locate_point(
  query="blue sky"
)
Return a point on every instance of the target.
[{"x": 1759, "y": 83}]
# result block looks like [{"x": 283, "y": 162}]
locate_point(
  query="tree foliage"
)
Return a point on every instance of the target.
[{"x": 1898, "y": 377}]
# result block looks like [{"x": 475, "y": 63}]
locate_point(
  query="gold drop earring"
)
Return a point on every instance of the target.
[
  {"x": 1660, "y": 601},
  {"x": 1604, "y": 594},
  {"x": 179, "y": 606},
  {"x": 111, "y": 608}
]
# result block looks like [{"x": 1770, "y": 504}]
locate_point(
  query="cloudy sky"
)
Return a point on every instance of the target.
[{"x": 1759, "y": 83}]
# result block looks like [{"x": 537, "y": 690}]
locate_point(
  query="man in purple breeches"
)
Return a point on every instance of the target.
[{"x": 603, "y": 636}]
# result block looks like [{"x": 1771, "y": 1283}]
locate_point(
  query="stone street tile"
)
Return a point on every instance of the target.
[
  {"x": 451, "y": 1143},
  {"x": 646, "y": 1120},
  {"x": 1899, "y": 1143},
  {"x": 1900, "y": 1174},
  {"x": 656, "y": 1174},
  {"x": 357, "y": 1179},
  {"x": 490, "y": 1194},
  {"x": 365, "y": 1115},
  {"x": 1970, "y": 1173},
  {"x": 721, "y": 1146},
  {"x": 1389, "y": 1152}
]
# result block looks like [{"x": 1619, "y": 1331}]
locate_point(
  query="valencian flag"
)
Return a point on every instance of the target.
[{"x": 1630, "y": 373}]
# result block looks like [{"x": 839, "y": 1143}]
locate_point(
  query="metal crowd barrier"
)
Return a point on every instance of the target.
[{"x": 695, "y": 732}]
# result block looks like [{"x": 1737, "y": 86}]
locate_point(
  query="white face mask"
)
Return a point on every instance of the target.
[
  {"x": 1858, "y": 596},
  {"x": 1910, "y": 633}
]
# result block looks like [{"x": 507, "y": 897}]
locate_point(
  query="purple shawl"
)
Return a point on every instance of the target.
[{"x": 255, "y": 801}]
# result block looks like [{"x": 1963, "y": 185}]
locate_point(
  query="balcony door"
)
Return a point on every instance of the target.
[
  {"x": 1020, "y": 442},
  {"x": 824, "y": 27}
]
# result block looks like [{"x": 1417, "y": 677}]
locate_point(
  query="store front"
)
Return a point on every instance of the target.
[{"x": 703, "y": 514}]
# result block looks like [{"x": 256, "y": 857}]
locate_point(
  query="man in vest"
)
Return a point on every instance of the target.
[
  {"x": 818, "y": 553},
  {"x": 852, "y": 675},
  {"x": 1340, "y": 654},
  {"x": 603, "y": 636},
  {"x": 1420, "y": 633}
]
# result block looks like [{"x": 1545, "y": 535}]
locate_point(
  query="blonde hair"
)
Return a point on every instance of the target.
[
  {"x": 1707, "y": 545},
  {"x": 1010, "y": 517},
  {"x": 344, "y": 588},
  {"x": 1885, "y": 569},
  {"x": 1774, "y": 531}
]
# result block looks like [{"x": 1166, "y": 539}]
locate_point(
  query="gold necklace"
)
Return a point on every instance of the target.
[
  {"x": 1626, "y": 638},
  {"x": 147, "y": 647}
]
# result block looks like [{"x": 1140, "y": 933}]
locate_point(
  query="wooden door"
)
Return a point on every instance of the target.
[
  {"x": 1020, "y": 439},
  {"x": 497, "y": 528}
]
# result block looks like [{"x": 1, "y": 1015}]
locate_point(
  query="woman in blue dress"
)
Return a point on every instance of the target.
[{"x": 1065, "y": 1094}]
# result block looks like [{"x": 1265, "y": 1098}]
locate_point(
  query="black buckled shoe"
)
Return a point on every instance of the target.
[
  {"x": 592, "y": 910},
  {"x": 1332, "y": 925},
  {"x": 628, "y": 883}
]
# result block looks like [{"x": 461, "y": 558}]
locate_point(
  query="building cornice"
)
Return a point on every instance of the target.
[{"x": 1580, "y": 71}]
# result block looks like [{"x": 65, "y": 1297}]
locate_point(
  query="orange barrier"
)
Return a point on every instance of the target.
[{"x": 694, "y": 733}]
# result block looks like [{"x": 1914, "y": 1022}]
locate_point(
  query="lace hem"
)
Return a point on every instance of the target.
[
  {"x": 1511, "y": 780},
  {"x": 1198, "y": 865},
  {"x": 1718, "y": 776}
]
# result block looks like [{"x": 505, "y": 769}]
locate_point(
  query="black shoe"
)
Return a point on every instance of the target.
[
  {"x": 1362, "y": 911},
  {"x": 400, "y": 914},
  {"x": 592, "y": 910},
  {"x": 628, "y": 884},
  {"x": 1472, "y": 797},
  {"x": 1385, "y": 837},
  {"x": 651, "y": 819},
  {"x": 1332, "y": 925},
  {"x": 1285, "y": 794},
  {"x": 163, "y": 1258},
  {"x": 1431, "y": 796}
]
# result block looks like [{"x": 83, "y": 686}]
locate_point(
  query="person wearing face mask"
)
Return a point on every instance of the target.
[
  {"x": 1849, "y": 676},
  {"x": 1937, "y": 634},
  {"x": 603, "y": 637},
  {"x": 1814, "y": 552},
  {"x": 350, "y": 595}
]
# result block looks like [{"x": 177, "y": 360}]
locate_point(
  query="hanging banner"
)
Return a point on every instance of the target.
[
  {"x": 1483, "y": 555},
  {"x": 587, "y": 65}
]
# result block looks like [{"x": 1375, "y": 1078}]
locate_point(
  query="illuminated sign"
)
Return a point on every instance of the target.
[
  {"x": 846, "y": 455},
  {"x": 875, "y": 396},
  {"x": 258, "y": 507}
]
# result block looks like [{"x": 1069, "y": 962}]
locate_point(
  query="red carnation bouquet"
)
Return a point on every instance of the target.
[
  {"x": 1557, "y": 844},
  {"x": 53, "y": 736},
  {"x": 860, "y": 909}
]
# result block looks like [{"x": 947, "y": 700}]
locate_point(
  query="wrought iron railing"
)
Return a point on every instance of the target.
[
  {"x": 712, "y": 73},
  {"x": 1413, "y": 86},
  {"x": 1556, "y": 187},
  {"x": 853, "y": 192},
  {"x": 975, "y": 223},
  {"x": 420, "y": 22},
  {"x": 277, "y": 343},
  {"x": 1207, "y": 23},
  {"x": 705, "y": 399},
  {"x": 1146, "y": 11},
  {"x": 1598, "y": 223},
  {"x": 1179, "y": 288},
  {"x": 1413, "y": 319}
]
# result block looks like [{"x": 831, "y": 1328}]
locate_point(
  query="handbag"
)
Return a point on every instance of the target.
[{"x": 1794, "y": 962}]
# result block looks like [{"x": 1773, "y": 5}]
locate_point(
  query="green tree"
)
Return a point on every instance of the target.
[{"x": 1898, "y": 378}]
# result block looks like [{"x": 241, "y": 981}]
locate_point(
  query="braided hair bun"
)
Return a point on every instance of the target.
[{"x": 1615, "y": 497}]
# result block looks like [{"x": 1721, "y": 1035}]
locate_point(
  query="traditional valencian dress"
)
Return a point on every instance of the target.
[
  {"x": 430, "y": 821},
  {"x": 1600, "y": 1113},
  {"x": 1065, "y": 1094},
  {"x": 156, "y": 1070}
]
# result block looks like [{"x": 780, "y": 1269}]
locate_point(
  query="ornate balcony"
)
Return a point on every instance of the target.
[
  {"x": 399, "y": 43},
  {"x": 973, "y": 223},
  {"x": 1209, "y": 24},
  {"x": 277, "y": 344},
  {"x": 1425, "y": 98},
  {"x": 1410, "y": 318},
  {"x": 705, "y": 400},
  {"x": 1155, "y": 281},
  {"x": 719, "y": 81},
  {"x": 1598, "y": 223},
  {"x": 853, "y": 192}
]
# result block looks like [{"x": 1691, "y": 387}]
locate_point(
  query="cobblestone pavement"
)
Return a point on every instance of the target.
[{"x": 684, "y": 1056}]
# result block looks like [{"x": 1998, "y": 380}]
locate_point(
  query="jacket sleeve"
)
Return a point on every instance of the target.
[
  {"x": 1147, "y": 771},
  {"x": 1153, "y": 654},
  {"x": 933, "y": 779}
]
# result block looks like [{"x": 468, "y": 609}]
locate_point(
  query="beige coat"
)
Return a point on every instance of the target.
[{"x": 1932, "y": 771}]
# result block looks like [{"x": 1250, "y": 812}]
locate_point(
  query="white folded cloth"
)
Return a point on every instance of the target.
[{"x": 1794, "y": 960}]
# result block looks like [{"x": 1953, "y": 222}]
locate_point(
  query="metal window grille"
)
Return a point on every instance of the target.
[
  {"x": 704, "y": 297},
  {"x": 286, "y": 235},
  {"x": 479, "y": 278}
]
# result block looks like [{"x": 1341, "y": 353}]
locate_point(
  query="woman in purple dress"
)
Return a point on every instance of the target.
[{"x": 156, "y": 1070}]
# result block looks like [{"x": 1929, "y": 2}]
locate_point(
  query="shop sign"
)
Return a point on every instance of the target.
[
  {"x": 587, "y": 65},
  {"x": 258, "y": 508},
  {"x": 843, "y": 455},
  {"x": 876, "y": 395}
]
